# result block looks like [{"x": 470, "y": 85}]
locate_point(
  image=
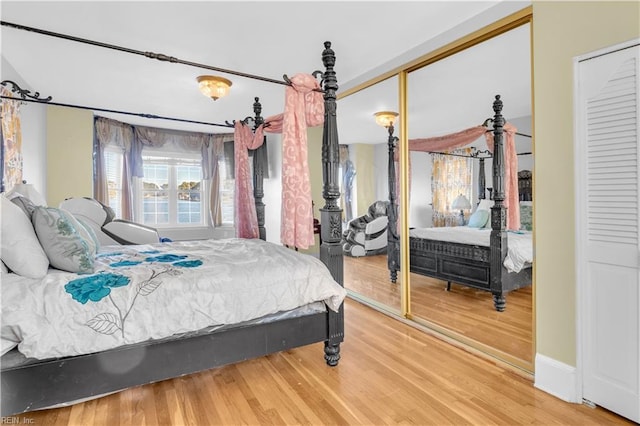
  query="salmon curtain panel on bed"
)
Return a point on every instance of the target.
[
  {"x": 304, "y": 107},
  {"x": 244, "y": 213}
]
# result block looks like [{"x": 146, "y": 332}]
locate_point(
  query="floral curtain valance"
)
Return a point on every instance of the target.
[{"x": 172, "y": 140}]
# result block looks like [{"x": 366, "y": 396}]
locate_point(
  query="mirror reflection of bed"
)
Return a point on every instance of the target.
[{"x": 465, "y": 313}]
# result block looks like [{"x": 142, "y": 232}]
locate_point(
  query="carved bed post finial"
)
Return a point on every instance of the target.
[
  {"x": 331, "y": 214},
  {"x": 393, "y": 239},
  {"x": 258, "y": 171},
  {"x": 257, "y": 110},
  {"x": 498, "y": 211}
]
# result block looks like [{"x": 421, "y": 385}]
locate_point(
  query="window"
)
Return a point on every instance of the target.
[
  {"x": 172, "y": 192},
  {"x": 113, "y": 166},
  {"x": 226, "y": 191}
]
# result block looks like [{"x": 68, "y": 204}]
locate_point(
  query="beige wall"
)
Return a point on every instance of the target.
[
  {"x": 561, "y": 31},
  {"x": 363, "y": 157},
  {"x": 69, "y": 154}
]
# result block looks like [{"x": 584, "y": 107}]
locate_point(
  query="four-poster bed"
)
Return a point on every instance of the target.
[
  {"x": 30, "y": 384},
  {"x": 475, "y": 264}
]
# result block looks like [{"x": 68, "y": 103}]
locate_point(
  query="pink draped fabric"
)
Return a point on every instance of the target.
[
  {"x": 467, "y": 136},
  {"x": 511, "y": 197},
  {"x": 245, "y": 217},
  {"x": 304, "y": 106},
  {"x": 450, "y": 141}
]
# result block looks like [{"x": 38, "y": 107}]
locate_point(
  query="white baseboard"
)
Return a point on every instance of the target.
[{"x": 556, "y": 378}]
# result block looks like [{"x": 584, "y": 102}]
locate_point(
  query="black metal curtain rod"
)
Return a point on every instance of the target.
[
  {"x": 456, "y": 155},
  {"x": 159, "y": 117},
  {"x": 150, "y": 55},
  {"x": 477, "y": 154},
  {"x": 490, "y": 120}
]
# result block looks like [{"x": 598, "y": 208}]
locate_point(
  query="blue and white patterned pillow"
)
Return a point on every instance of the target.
[{"x": 66, "y": 242}]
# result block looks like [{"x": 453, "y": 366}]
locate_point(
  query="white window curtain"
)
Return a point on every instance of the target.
[
  {"x": 108, "y": 132},
  {"x": 348, "y": 174}
]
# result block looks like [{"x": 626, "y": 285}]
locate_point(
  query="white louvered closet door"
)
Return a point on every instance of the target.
[{"x": 608, "y": 227}]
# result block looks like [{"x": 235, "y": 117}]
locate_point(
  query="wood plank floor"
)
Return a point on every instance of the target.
[
  {"x": 464, "y": 310},
  {"x": 390, "y": 373}
]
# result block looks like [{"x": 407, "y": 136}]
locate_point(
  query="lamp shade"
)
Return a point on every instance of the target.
[
  {"x": 213, "y": 87},
  {"x": 461, "y": 203},
  {"x": 385, "y": 118}
]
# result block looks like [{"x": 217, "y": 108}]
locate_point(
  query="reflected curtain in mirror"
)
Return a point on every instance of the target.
[
  {"x": 348, "y": 174},
  {"x": 451, "y": 176}
]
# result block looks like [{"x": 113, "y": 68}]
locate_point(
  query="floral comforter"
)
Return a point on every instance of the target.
[{"x": 155, "y": 291}]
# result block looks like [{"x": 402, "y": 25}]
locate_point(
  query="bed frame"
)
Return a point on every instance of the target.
[
  {"x": 470, "y": 265},
  {"x": 39, "y": 384}
]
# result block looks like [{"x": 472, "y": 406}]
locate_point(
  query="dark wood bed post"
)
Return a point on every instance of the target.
[
  {"x": 331, "y": 214},
  {"x": 482, "y": 183},
  {"x": 498, "y": 211},
  {"x": 393, "y": 239},
  {"x": 258, "y": 171}
]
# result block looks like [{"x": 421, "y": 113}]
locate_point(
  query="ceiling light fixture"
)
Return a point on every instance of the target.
[
  {"x": 385, "y": 118},
  {"x": 213, "y": 87}
]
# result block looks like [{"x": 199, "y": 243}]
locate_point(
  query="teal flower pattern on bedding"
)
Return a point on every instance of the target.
[
  {"x": 166, "y": 258},
  {"x": 109, "y": 254},
  {"x": 125, "y": 263},
  {"x": 97, "y": 287},
  {"x": 188, "y": 263}
]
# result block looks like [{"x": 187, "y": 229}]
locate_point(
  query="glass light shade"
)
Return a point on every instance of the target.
[
  {"x": 385, "y": 118},
  {"x": 213, "y": 87}
]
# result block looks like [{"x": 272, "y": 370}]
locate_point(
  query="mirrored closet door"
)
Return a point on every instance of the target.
[
  {"x": 451, "y": 182},
  {"x": 366, "y": 146}
]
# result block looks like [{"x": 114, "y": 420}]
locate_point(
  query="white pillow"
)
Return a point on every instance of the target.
[
  {"x": 20, "y": 249},
  {"x": 66, "y": 242},
  {"x": 485, "y": 205},
  {"x": 6, "y": 345}
]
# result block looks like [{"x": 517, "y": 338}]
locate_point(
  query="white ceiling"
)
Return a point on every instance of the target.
[
  {"x": 265, "y": 38},
  {"x": 450, "y": 95}
]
